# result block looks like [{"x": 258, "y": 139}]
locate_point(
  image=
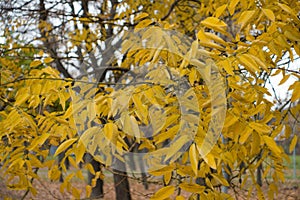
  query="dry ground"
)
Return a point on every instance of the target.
[{"x": 50, "y": 190}]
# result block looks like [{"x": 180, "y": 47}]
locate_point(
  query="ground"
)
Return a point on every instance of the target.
[{"x": 290, "y": 190}]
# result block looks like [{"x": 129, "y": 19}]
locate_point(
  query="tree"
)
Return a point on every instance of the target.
[{"x": 102, "y": 77}]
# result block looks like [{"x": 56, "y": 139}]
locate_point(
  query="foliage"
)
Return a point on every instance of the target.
[{"x": 166, "y": 105}]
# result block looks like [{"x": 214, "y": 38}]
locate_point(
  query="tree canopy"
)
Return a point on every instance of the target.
[{"x": 181, "y": 86}]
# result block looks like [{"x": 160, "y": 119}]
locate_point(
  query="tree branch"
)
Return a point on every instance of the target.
[{"x": 170, "y": 10}]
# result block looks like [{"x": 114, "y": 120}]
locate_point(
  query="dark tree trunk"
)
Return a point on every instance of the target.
[
  {"x": 97, "y": 191},
  {"x": 121, "y": 181},
  {"x": 258, "y": 175},
  {"x": 258, "y": 172},
  {"x": 60, "y": 158}
]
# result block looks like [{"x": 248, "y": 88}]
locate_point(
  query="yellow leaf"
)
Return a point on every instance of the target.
[
  {"x": 192, "y": 76},
  {"x": 219, "y": 11},
  {"x": 80, "y": 150},
  {"x": 247, "y": 61},
  {"x": 293, "y": 143},
  {"x": 180, "y": 198},
  {"x": 227, "y": 66},
  {"x": 48, "y": 60},
  {"x": 271, "y": 144},
  {"x": 170, "y": 133},
  {"x": 260, "y": 128},
  {"x": 215, "y": 38},
  {"x": 22, "y": 96},
  {"x": 64, "y": 146},
  {"x": 284, "y": 79},
  {"x": 142, "y": 111},
  {"x": 90, "y": 167},
  {"x": 72, "y": 162},
  {"x": 41, "y": 53},
  {"x": 291, "y": 35},
  {"x": 296, "y": 94},
  {"x": 193, "y": 154},
  {"x": 54, "y": 173},
  {"x": 210, "y": 160},
  {"x": 39, "y": 141},
  {"x": 214, "y": 23},
  {"x": 35, "y": 63},
  {"x": 167, "y": 177},
  {"x": 259, "y": 62},
  {"x": 79, "y": 174},
  {"x": 76, "y": 193},
  {"x": 88, "y": 190},
  {"x": 246, "y": 17},
  {"x": 220, "y": 179},
  {"x": 163, "y": 193},
  {"x": 131, "y": 127},
  {"x": 108, "y": 131},
  {"x": 144, "y": 23},
  {"x": 62, "y": 100},
  {"x": 287, "y": 9},
  {"x": 211, "y": 45},
  {"x": 34, "y": 161},
  {"x": 51, "y": 71},
  {"x": 232, "y": 6},
  {"x": 245, "y": 134},
  {"x": 269, "y": 13},
  {"x": 36, "y": 89},
  {"x": 176, "y": 146},
  {"x": 162, "y": 171},
  {"x": 276, "y": 72},
  {"x": 141, "y": 16},
  {"x": 192, "y": 187}
]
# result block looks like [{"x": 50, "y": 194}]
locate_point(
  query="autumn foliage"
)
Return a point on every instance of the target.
[{"x": 183, "y": 86}]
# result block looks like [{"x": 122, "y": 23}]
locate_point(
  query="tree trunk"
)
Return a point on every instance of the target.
[
  {"x": 121, "y": 182},
  {"x": 97, "y": 191},
  {"x": 258, "y": 175}
]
